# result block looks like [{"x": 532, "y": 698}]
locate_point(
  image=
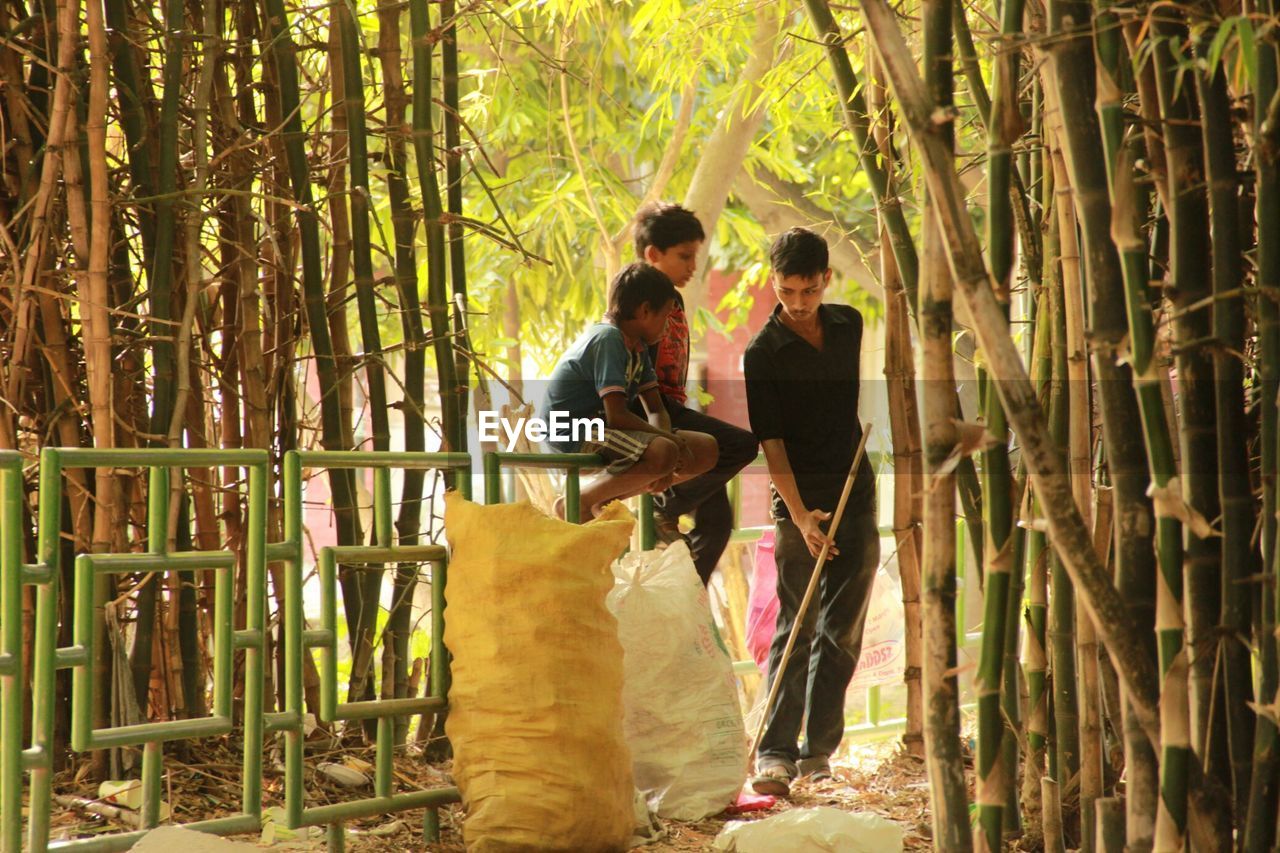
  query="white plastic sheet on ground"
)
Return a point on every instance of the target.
[
  {"x": 682, "y": 720},
  {"x": 818, "y": 830}
]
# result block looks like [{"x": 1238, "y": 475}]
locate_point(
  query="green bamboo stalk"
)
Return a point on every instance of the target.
[
  {"x": 1234, "y": 491},
  {"x": 424, "y": 154},
  {"x": 159, "y": 281},
  {"x": 1260, "y": 824},
  {"x": 364, "y": 606},
  {"x": 995, "y": 775},
  {"x": 1126, "y": 227},
  {"x": 1035, "y": 651},
  {"x": 403, "y": 223},
  {"x": 453, "y": 198},
  {"x": 1189, "y": 282},
  {"x": 1010, "y": 690},
  {"x": 134, "y": 91},
  {"x": 159, "y": 266},
  {"x": 1064, "y": 760},
  {"x": 279, "y": 43},
  {"x": 853, "y": 110},
  {"x": 1074, "y": 72},
  {"x": 948, "y": 795}
]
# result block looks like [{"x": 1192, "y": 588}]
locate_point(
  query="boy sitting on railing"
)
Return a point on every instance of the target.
[
  {"x": 669, "y": 237},
  {"x": 601, "y": 373}
]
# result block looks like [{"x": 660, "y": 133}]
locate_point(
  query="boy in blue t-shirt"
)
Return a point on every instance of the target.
[{"x": 600, "y": 374}]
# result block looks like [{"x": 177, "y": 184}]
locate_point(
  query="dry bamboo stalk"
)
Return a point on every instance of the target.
[
  {"x": 1050, "y": 796},
  {"x": 55, "y": 143},
  {"x": 904, "y": 425},
  {"x": 1079, "y": 443}
]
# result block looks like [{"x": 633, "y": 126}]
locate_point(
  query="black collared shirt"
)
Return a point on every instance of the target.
[{"x": 809, "y": 399}]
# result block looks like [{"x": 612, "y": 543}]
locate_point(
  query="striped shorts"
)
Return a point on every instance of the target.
[{"x": 621, "y": 448}]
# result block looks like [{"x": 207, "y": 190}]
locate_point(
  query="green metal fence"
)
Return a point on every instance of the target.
[
  {"x": 13, "y": 578},
  {"x": 299, "y": 641},
  {"x": 88, "y": 613},
  {"x": 252, "y": 724},
  {"x": 573, "y": 464}
]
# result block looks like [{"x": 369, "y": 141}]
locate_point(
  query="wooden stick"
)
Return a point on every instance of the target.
[{"x": 808, "y": 594}]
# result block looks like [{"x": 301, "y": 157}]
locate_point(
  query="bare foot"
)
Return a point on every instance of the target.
[{"x": 557, "y": 507}]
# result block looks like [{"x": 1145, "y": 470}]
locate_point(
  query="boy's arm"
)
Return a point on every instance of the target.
[
  {"x": 618, "y": 416},
  {"x": 784, "y": 482},
  {"x": 656, "y": 408}
]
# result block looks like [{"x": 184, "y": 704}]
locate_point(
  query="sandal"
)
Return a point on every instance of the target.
[{"x": 774, "y": 780}]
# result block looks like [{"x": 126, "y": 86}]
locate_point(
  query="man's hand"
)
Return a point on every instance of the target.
[{"x": 808, "y": 523}]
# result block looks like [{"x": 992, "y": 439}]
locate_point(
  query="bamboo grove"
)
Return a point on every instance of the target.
[
  {"x": 1128, "y": 156},
  {"x": 188, "y": 234},
  {"x": 252, "y": 224}
]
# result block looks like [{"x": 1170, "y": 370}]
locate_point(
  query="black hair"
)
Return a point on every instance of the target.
[
  {"x": 662, "y": 225},
  {"x": 639, "y": 284},
  {"x": 799, "y": 251}
]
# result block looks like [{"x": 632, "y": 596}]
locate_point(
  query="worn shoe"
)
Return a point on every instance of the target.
[
  {"x": 815, "y": 769},
  {"x": 774, "y": 780}
]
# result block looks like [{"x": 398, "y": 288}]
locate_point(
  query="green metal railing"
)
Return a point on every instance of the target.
[
  {"x": 87, "y": 617},
  {"x": 572, "y": 464},
  {"x": 299, "y": 642},
  {"x": 251, "y": 723},
  {"x": 13, "y": 759}
]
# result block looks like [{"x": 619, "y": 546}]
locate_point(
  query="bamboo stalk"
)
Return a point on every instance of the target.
[
  {"x": 363, "y": 605},
  {"x": 453, "y": 197},
  {"x": 403, "y": 222},
  {"x": 1235, "y": 495},
  {"x": 1051, "y": 795},
  {"x": 948, "y": 795},
  {"x": 1067, "y": 530},
  {"x": 1064, "y": 760},
  {"x": 1260, "y": 824},
  {"x": 424, "y": 154},
  {"x": 1035, "y": 655},
  {"x": 853, "y": 111},
  {"x": 160, "y": 276},
  {"x": 995, "y": 776},
  {"x": 135, "y": 92},
  {"x": 904, "y": 427},
  {"x": 279, "y": 42},
  {"x": 1189, "y": 281}
]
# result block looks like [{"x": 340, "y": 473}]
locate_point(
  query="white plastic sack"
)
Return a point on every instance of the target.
[
  {"x": 819, "y": 830},
  {"x": 884, "y": 637},
  {"x": 682, "y": 720}
]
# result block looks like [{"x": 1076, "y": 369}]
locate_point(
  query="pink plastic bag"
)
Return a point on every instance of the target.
[
  {"x": 883, "y": 646},
  {"x": 762, "y": 605}
]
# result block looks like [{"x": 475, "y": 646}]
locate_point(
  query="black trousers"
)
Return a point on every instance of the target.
[
  {"x": 829, "y": 643},
  {"x": 705, "y": 497}
]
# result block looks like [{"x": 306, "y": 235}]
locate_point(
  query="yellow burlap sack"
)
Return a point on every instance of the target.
[{"x": 535, "y": 710}]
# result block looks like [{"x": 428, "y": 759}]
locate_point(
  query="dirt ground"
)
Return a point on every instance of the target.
[{"x": 878, "y": 778}]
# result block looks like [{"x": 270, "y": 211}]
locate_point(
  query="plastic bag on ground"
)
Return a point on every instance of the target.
[
  {"x": 682, "y": 720},
  {"x": 818, "y": 830},
  {"x": 535, "y": 712}
]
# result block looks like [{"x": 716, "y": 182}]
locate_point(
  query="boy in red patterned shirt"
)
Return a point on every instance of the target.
[{"x": 668, "y": 237}]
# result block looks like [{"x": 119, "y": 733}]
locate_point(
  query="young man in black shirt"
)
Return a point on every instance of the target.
[{"x": 801, "y": 371}]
